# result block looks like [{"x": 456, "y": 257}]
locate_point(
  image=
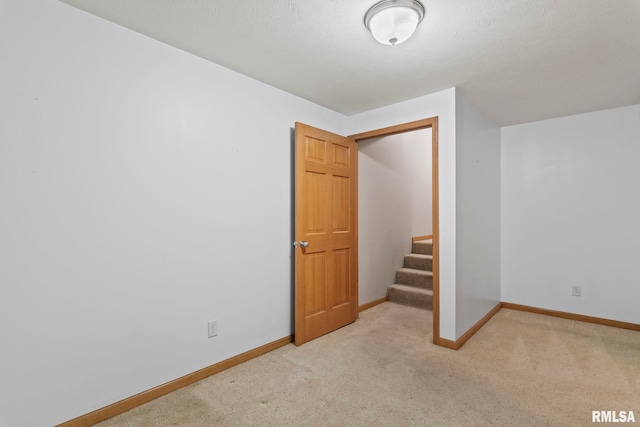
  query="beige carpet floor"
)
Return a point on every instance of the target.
[{"x": 520, "y": 369}]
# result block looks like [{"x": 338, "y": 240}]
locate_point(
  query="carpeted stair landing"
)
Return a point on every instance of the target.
[{"x": 414, "y": 281}]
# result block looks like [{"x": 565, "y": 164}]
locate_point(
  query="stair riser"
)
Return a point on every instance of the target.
[
  {"x": 412, "y": 279},
  {"x": 425, "y": 264},
  {"x": 408, "y": 298},
  {"x": 422, "y": 248}
]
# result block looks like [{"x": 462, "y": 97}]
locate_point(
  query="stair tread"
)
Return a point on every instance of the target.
[
  {"x": 421, "y": 256},
  {"x": 409, "y": 288},
  {"x": 415, "y": 271},
  {"x": 410, "y": 295},
  {"x": 422, "y": 247}
]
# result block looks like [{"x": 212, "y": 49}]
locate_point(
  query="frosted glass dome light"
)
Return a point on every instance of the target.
[{"x": 393, "y": 21}]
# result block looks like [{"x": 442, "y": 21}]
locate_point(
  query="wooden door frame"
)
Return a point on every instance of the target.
[{"x": 431, "y": 123}]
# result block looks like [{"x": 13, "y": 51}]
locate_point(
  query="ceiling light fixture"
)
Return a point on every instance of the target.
[{"x": 393, "y": 21}]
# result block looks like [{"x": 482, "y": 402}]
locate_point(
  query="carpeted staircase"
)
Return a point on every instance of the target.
[{"x": 414, "y": 281}]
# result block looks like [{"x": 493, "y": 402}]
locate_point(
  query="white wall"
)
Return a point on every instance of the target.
[
  {"x": 478, "y": 215},
  {"x": 441, "y": 105},
  {"x": 140, "y": 187},
  {"x": 143, "y": 192},
  {"x": 394, "y": 204},
  {"x": 570, "y": 212}
]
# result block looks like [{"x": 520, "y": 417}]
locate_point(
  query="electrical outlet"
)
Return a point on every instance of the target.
[
  {"x": 576, "y": 291},
  {"x": 212, "y": 328}
]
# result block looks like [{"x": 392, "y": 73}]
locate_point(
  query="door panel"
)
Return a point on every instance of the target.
[
  {"x": 341, "y": 204},
  {"x": 315, "y": 207},
  {"x": 315, "y": 283},
  {"x": 341, "y": 276},
  {"x": 326, "y": 289}
]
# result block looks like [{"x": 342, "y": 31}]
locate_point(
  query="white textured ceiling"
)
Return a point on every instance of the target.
[{"x": 517, "y": 60}]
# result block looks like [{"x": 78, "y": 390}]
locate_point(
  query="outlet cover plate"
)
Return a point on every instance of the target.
[{"x": 212, "y": 327}]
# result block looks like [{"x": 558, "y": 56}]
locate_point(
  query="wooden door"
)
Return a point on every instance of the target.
[{"x": 326, "y": 288}]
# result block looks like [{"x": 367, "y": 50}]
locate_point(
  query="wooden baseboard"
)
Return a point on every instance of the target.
[
  {"x": 475, "y": 328},
  {"x": 443, "y": 342},
  {"x": 572, "y": 316},
  {"x": 419, "y": 238},
  {"x": 154, "y": 393},
  {"x": 368, "y": 305},
  {"x": 455, "y": 345}
]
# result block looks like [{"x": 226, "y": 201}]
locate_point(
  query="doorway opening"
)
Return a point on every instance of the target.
[{"x": 431, "y": 140}]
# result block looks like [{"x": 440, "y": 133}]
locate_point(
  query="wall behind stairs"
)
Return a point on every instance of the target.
[
  {"x": 394, "y": 204},
  {"x": 570, "y": 212},
  {"x": 478, "y": 215}
]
